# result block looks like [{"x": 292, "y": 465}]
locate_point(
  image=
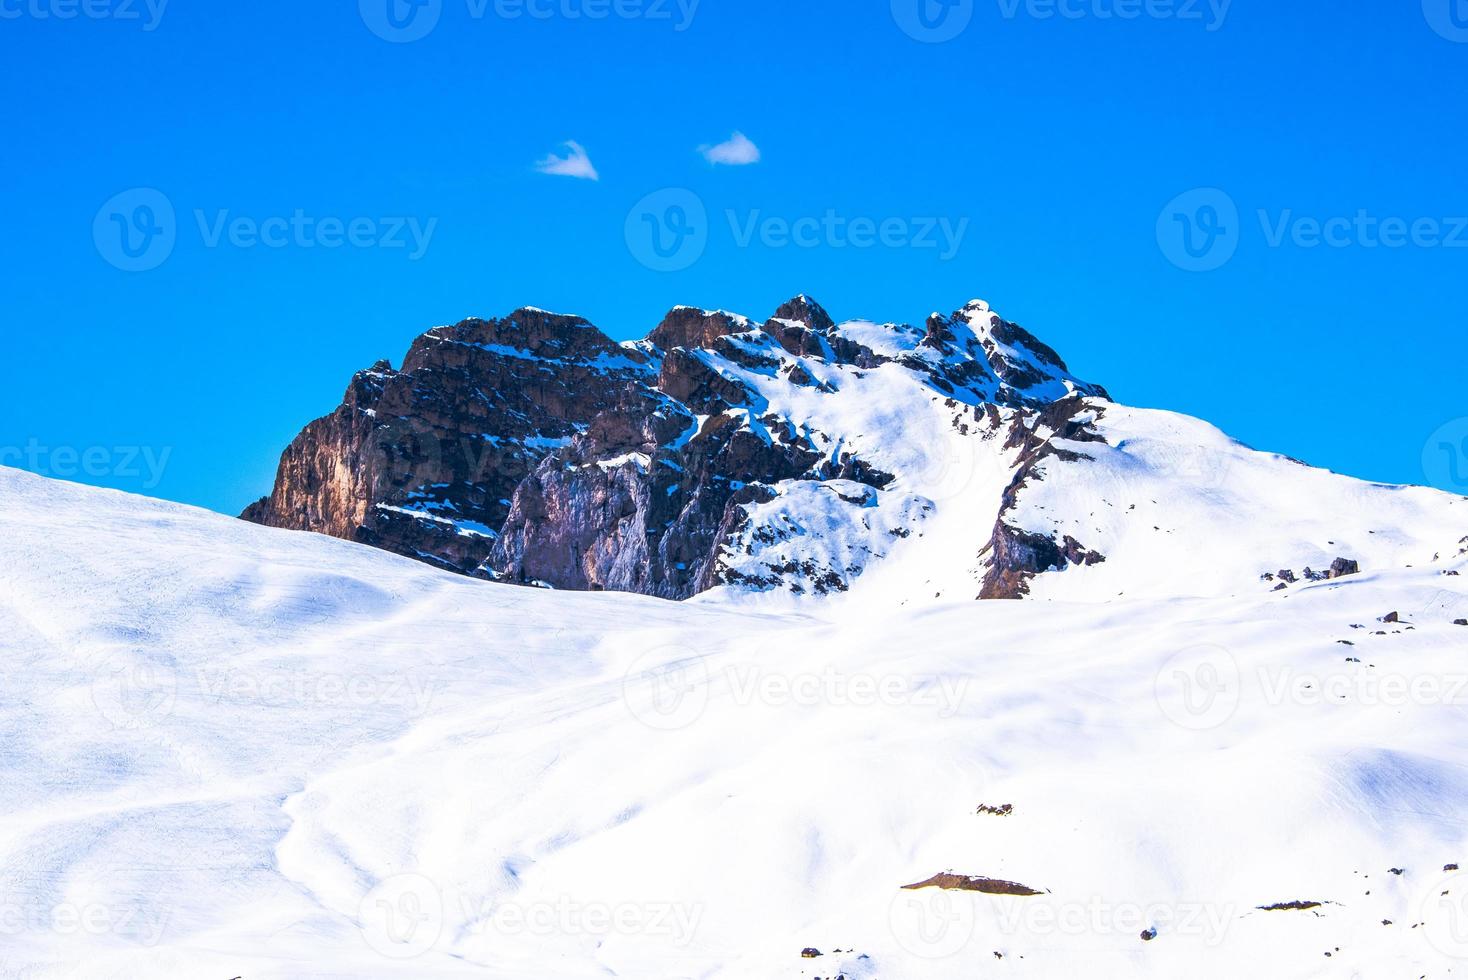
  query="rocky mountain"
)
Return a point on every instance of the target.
[{"x": 791, "y": 456}]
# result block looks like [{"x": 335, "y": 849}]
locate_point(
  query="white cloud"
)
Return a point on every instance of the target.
[
  {"x": 574, "y": 164},
  {"x": 737, "y": 151}
]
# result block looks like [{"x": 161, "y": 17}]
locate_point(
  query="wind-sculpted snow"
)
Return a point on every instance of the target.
[{"x": 234, "y": 751}]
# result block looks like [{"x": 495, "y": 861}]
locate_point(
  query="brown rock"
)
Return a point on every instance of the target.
[
  {"x": 690, "y": 328},
  {"x": 968, "y": 883},
  {"x": 534, "y": 449},
  {"x": 1015, "y": 556}
]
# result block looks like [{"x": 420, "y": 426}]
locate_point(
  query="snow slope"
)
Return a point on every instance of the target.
[
  {"x": 230, "y": 751},
  {"x": 1176, "y": 508}
]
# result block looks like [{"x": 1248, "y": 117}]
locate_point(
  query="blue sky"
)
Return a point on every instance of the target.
[{"x": 1096, "y": 169}]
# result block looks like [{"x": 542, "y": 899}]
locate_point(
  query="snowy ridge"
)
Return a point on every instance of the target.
[
  {"x": 1178, "y": 508},
  {"x": 490, "y": 420},
  {"x": 997, "y": 473}
]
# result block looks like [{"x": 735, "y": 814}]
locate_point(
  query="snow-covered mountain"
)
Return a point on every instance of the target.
[
  {"x": 795, "y": 456},
  {"x": 1224, "y": 738},
  {"x": 235, "y": 751}
]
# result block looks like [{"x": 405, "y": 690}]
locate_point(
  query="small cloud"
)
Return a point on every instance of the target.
[
  {"x": 574, "y": 164},
  {"x": 737, "y": 151}
]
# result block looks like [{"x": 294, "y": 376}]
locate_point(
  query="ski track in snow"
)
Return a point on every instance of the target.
[{"x": 231, "y": 751}]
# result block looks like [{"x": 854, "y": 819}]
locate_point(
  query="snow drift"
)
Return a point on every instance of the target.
[{"x": 238, "y": 751}]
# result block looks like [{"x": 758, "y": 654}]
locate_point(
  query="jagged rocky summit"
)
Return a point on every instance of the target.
[
  {"x": 534, "y": 449},
  {"x": 797, "y": 455}
]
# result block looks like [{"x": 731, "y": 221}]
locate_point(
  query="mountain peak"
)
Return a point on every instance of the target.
[
  {"x": 531, "y": 331},
  {"x": 803, "y": 309},
  {"x": 535, "y": 449},
  {"x": 691, "y": 328}
]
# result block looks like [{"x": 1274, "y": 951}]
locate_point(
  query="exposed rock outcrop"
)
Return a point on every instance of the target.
[
  {"x": 949, "y": 881},
  {"x": 424, "y": 461},
  {"x": 534, "y": 449},
  {"x": 1014, "y": 555}
]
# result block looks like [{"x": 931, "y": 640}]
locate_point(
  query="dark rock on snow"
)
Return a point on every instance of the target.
[
  {"x": 534, "y": 449},
  {"x": 968, "y": 883}
]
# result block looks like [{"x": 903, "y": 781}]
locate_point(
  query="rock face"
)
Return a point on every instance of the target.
[
  {"x": 1017, "y": 555},
  {"x": 424, "y": 461},
  {"x": 719, "y": 451}
]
